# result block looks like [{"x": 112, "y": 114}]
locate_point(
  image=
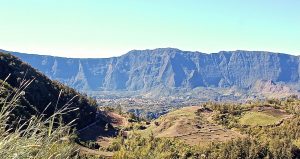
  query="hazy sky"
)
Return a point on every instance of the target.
[{"x": 104, "y": 28}]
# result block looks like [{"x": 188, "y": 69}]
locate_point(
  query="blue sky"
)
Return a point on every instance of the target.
[{"x": 98, "y": 28}]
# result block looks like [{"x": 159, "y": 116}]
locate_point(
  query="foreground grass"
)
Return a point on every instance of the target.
[
  {"x": 258, "y": 119},
  {"x": 35, "y": 138},
  {"x": 138, "y": 146},
  {"x": 297, "y": 143}
]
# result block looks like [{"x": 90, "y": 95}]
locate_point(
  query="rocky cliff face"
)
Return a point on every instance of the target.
[
  {"x": 271, "y": 89},
  {"x": 145, "y": 70}
]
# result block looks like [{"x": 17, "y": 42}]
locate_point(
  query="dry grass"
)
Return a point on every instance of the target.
[
  {"x": 37, "y": 137},
  {"x": 263, "y": 116},
  {"x": 258, "y": 119},
  {"x": 297, "y": 143},
  {"x": 193, "y": 129}
]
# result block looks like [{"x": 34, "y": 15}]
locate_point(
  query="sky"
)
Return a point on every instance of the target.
[{"x": 106, "y": 28}]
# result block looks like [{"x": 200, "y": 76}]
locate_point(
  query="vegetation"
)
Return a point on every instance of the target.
[
  {"x": 30, "y": 127},
  {"x": 138, "y": 146},
  {"x": 43, "y": 92},
  {"x": 258, "y": 118},
  {"x": 35, "y": 138},
  {"x": 264, "y": 140},
  {"x": 297, "y": 143},
  {"x": 39, "y": 121},
  {"x": 263, "y": 129}
]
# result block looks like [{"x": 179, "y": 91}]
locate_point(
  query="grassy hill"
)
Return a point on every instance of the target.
[
  {"x": 264, "y": 116},
  {"x": 192, "y": 125},
  {"x": 258, "y": 118},
  {"x": 37, "y": 115},
  {"x": 44, "y": 95},
  {"x": 270, "y": 129}
]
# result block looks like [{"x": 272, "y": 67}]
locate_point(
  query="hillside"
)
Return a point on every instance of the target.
[
  {"x": 168, "y": 71},
  {"x": 44, "y": 95},
  {"x": 192, "y": 125},
  {"x": 257, "y": 129}
]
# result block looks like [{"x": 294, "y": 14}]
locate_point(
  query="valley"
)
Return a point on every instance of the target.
[
  {"x": 134, "y": 126},
  {"x": 153, "y": 82},
  {"x": 145, "y": 79}
]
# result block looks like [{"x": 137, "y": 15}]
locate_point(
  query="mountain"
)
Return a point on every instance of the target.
[
  {"x": 271, "y": 89},
  {"x": 168, "y": 69},
  {"x": 42, "y": 95}
]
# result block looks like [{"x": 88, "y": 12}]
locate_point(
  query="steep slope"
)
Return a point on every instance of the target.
[
  {"x": 273, "y": 90},
  {"x": 44, "y": 95},
  {"x": 167, "y": 69}
]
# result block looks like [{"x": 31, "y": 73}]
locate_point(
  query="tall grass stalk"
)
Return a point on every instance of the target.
[{"x": 37, "y": 137}]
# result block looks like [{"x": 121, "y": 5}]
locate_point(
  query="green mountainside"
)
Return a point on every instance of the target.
[{"x": 44, "y": 95}]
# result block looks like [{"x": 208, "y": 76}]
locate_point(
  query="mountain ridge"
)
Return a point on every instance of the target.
[
  {"x": 134, "y": 50},
  {"x": 167, "y": 69}
]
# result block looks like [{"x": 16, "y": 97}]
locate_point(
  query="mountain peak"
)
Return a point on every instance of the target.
[{"x": 158, "y": 49}]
